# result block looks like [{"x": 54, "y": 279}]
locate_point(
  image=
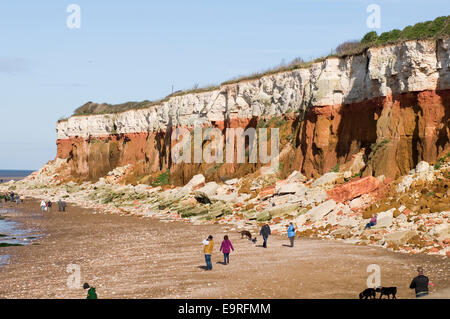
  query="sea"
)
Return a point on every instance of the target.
[
  {"x": 7, "y": 175},
  {"x": 11, "y": 232}
]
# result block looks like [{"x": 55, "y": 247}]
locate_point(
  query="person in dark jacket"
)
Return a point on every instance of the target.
[
  {"x": 49, "y": 206},
  {"x": 265, "y": 232},
  {"x": 420, "y": 283},
  {"x": 91, "y": 292}
]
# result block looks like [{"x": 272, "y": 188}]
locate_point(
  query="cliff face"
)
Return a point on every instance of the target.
[{"x": 391, "y": 102}]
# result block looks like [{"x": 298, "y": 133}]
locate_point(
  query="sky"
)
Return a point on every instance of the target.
[{"x": 136, "y": 50}]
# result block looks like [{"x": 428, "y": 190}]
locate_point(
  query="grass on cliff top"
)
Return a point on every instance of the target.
[{"x": 436, "y": 29}]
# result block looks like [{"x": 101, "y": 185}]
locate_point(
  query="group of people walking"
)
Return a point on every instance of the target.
[
  {"x": 419, "y": 284},
  {"x": 46, "y": 206},
  {"x": 12, "y": 197},
  {"x": 265, "y": 232},
  {"x": 226, "y": 246}
]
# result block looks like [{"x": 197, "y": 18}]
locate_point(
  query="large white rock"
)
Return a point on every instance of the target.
[
  {"x": 292, "y": 188},
  {"x": 296, "y": 177},
  {"x": 314, "y": 196},
  {"x": 284, "y": 209},
  {"x": 279, "y": 200},
  {"x": 227, "y": 198},
  {"x": 384, "y": 219},
  {"x": 399, "y": 237},
  {"x": 196, "y": 180},
  {"x": 208, "y": 190},
  {"x": 442, "y": 231},
  {"x": 360, "y": 201},
  {"x": 301, "y": 219},
  {"x": 321, "y": 211}
]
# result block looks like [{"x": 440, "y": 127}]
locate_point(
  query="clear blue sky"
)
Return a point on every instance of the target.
[{"x": 135, "y": 50}]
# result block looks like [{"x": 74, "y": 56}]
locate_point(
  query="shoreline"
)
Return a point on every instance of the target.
[{"x": 138, "y": 257}]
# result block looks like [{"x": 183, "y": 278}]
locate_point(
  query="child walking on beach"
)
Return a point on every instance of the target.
[
  {"x": 43, "y": 206},
  {"x": 208, "y": 245},
  {"x": 225, "y": 248}
]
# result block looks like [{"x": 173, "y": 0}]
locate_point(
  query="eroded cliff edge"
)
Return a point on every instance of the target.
[{"x": 391, "y": 103}]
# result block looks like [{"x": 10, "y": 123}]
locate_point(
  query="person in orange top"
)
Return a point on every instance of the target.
[{"x": 208, "y": 245}]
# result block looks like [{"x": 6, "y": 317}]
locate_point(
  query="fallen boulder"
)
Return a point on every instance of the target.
[
  {"x": 282, "y": 209},
  {"x": 296, "y": 177},
  {"x": 321, "y": 211},
  {"x": 442, "y": 231},
  {"x": 354, "y": 189},
  {"x": 384, "y": 219},
  {"x": 196, "y": 182},
  {"x": 267, "y": 192},
  {"x": 314, "y": 196},
  {"x": 341, "y": 232},
  {"x": 209, "y": 189},
  {"x": 231, "y": 198},
  {"x": 263, "y": 216},
  {"x": 291, "y": 188},
  {"x": 400, "y": 237}
]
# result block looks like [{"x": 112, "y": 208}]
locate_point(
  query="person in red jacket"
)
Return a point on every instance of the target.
[{"x": 225, "y": 248}]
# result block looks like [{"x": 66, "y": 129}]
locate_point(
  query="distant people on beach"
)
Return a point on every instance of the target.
[
  {"x": 291, "y": 233},
  {"x": 372, "y": 222},
  {"x": 265, "y": 232},
  {"x": 226, "y": 248},
  {"x": 49, "y": 206},
  {"x": 420, "y": 283},
  {"x": 61, "y": 205},
  {"x": 208, "y": 245},
  {"x": 91, "y": 292},
  {"x": 43, "y": 206}
]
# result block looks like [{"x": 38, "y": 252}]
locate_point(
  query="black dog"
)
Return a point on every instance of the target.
[
  {"x": 253, "y": 240},
  {"x": 387, "y": 291},
  {"x": 246, "y": 233},
  {"x": 369, "y": 293}
]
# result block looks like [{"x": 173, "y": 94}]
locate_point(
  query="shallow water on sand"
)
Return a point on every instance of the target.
[{"x": 13, "y": 234}]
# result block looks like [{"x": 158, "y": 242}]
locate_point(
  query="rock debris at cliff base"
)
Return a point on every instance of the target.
[{"x": 413, "y": 211}]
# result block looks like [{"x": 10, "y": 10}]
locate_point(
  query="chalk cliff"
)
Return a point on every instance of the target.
[{"x": 392, "y": 102}]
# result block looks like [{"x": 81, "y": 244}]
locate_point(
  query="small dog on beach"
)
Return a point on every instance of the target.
[
  {"x": 253, "y": 240},
  {"x": 369, "y": 293},
  {"x": 246, "y": 233},
  {"x": 387, "y": 291}
]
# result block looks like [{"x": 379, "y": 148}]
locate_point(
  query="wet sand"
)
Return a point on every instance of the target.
[{"x": 136, "y": 257}]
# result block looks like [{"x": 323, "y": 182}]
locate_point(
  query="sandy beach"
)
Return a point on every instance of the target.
[{"x": 136, "y": 257}]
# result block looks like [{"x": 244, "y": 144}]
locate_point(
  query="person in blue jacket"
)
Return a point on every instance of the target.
[{"x": 291, "y": 233}]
